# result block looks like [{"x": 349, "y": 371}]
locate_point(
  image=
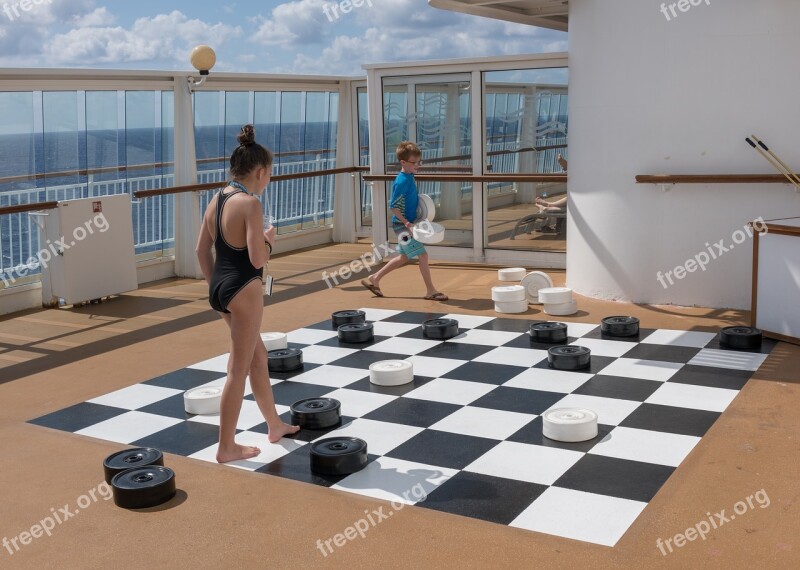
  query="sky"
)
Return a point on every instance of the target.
[{"x": 267, "y": 36}]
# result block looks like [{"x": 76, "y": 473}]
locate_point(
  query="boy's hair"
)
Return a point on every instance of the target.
[{"x": 407, "y": 149}]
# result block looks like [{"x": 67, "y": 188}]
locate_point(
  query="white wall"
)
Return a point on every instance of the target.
[{"x": 651, "y": 96}]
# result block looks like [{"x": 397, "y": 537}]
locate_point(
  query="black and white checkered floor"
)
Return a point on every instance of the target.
[{"x": 468, "y": 429}]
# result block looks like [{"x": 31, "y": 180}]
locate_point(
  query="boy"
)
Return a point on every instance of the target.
[{"x": 403, "y": 206}]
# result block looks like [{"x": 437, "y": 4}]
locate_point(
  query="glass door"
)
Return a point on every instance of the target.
[
  {"x": 526, "y": 126},
  {"x": 435, "y": 113}
]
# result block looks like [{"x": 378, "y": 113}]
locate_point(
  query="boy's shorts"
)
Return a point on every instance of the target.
[{"x": 407, "y": 245}]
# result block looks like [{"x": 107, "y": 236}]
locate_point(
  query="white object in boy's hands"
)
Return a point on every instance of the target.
[{"x": 426, "y": 209}]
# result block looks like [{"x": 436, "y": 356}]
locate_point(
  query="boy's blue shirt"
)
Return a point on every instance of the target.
[{"x": 404, "y": 197}]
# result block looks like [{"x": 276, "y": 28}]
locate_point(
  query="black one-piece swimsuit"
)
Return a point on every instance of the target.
[{"x": 232, "y": 268}]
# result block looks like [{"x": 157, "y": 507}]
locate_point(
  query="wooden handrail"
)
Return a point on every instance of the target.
[
  {"x": 479, "y": 178},
  {"x": 20, "y": 208},
  {"x": 490, "y": 153},
  {"x": 710, "y": 179},
  {"x": 35, "y": 207},
  {"x": 441, "y": 169},
  {"x": 278, "y": 178}
]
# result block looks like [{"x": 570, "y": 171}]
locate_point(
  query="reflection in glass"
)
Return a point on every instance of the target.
[
  {"x": 444, "y": 134},
  {"x": 396, "y": 122},
  {"x": 526, "y": 130},
  {"x": 439, "y": 122},
  {"x": 363, "y": 156}
]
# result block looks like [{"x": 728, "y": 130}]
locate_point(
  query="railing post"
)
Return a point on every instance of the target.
[
  {"x": 317, "y": 183},
  {"x": 187, "y": 204}
]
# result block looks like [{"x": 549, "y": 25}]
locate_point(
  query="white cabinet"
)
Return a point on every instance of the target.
[{"x": 86, "y": 250}]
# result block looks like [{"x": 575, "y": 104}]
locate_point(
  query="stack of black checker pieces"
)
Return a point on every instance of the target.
[{"x": 138, "y": 478}]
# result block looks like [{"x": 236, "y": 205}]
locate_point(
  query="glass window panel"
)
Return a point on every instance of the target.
[
  {"x": 143, "y": 157},
  {"x": 363, "y": 155},
  {"x": 102, "y": 140},
  {"x": 209, "y": 136},
  {"x": 316, "y": 130},
  {"x": 525, "y": 134},
  {"x": 329, "y": 187},
  {"x": 61, "y": 145},
  {"x": 237, "y": 114},
  {"x": 166, "y": 204},
  {"x": 363, "y": 127},
  {"x": 19, "y": 147},
  {"x": 444, "y": 135},
  {"x": 315, "y": 137},
  {"x": 440, "y": 124},
  {"x": 395, "y": 122},
  {"x": 290, "y": 195},
  {"x": 267, "y": 119}
]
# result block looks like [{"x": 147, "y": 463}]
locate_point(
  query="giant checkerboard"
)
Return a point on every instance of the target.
[{"x": 468, "y": 430}]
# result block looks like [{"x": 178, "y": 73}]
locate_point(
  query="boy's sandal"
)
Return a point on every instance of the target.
[
  {"x": 437, "y": 297},
  {"x": 372, "y": 287}
]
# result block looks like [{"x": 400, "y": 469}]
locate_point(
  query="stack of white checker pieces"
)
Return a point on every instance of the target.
[{"x": 536, "y": 288}]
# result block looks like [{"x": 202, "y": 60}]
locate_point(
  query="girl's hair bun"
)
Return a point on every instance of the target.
[{"x": 247, "y": 135}]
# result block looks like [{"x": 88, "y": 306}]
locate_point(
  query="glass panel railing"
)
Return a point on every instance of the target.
[
  {"x": 20, "y": 147},
  {"x": 300, "y": 127},
  {"x": 237, "y": 113},
  {"x": 61, "y": 145},
  {"x": 143, "y": 158},
  {"x": 66, "y": 145},
  {"x": 209, "y": 135}
]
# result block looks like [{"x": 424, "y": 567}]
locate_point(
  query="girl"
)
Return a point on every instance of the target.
[{"x": 233, "y": 224}]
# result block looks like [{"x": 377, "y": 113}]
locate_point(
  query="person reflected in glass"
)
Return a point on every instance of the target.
[{"x": 554, "y": 225}]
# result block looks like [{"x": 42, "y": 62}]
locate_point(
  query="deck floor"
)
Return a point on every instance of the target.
[{"x": 50, "y": 359}]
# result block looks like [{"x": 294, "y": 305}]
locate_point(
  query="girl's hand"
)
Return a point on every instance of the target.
[{"x": 269, "y": 234}]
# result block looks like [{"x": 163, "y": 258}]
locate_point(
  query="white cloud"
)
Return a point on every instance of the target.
[
  {"x": 389, "y": 30},
  {"x": 295, "y": 37},
  {"x": 292, "y": 24},
  {"x": 166, "y": 38},
  {"x": 23, "y": 40},
  {"x": 346, "y": 54},
  {"x": 99, "y": 17}
]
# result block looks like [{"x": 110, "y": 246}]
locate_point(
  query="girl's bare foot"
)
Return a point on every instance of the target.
[
  {"x": 237, "y": 452},
  {"x": 281, "y": 430}
]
